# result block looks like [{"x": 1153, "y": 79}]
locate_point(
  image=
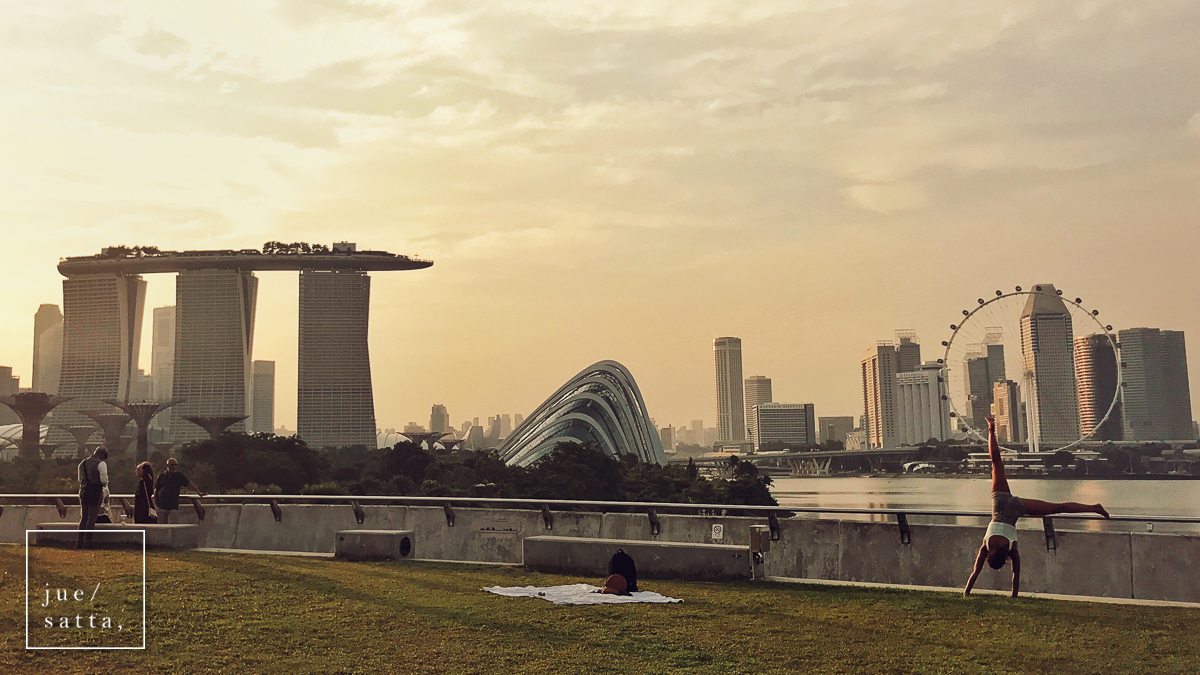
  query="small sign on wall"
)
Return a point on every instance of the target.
[{"x": 718, "y": 532}]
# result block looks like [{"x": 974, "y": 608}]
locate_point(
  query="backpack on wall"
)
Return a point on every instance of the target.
[{"x": 622, "y": 564}]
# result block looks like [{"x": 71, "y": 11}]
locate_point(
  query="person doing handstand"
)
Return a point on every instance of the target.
[{"x": 1000, "y": 540}]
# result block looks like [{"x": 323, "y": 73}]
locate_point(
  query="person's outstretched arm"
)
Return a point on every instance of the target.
[
  {"x": 196, "y": 488},
  {"x": 1015, "y": 555},
  {"x": 979, "y": 558}
]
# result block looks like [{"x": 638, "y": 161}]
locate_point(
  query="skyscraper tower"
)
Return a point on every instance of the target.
[
  {"x": 335, "y": 406},
  {"x": 1048, "y": 360},
  {"x": 1157, "y": 400},
  {"x": 214, "y": 340},
  {"x": 879, "y": 395},
  {"x": 102, "y": 334},
  {"x": 47, "y": 349},
  {"x": 439, "y": 419},
  {"x": 1096, "y": 374},
  {"x": 262, "y": 415},
  {"x": 908, "y": 351},
  {"x": 731, "y": 411},
  {"x": 758, "y": 390}
]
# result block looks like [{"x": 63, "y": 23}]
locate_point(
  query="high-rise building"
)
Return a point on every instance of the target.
[
  {"x": 335, "y": 405},
  {"x": 666, "y": 436},
  {"x": 439, "y": 419},
  {"x": 879, "y": 395},
  {"x": 517, "y": 419},
  {"x": 505, "y": 425},
  {"x": 214, "y": 340},
  {"x": 921, "y": 412},
  {"x": 1096, "y": 377},
  {"x": 1048, "y": 359},
  {"x": 162, "y": 356},
  {"x": 142, "y": 387},
  {"x": 1157, "y": 400},
  {"x": 9, "y": 385},
  {"x": 834, "y": 428},
  {"x": 262, "y": 415},
  {"x": 908, "y": 351},
  {"x": 984, "y": 367},
  {"x": 102, "y": 335},
  {"x": 1006, "y": 407},
  {"x": 757, "y": 390},
  {"x": 731, "y": 411},
  {"x": 47, "y": 348},
  {"x": 794, "y": 425}
]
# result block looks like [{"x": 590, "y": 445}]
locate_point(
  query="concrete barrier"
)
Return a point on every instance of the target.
[
  {"x": 374, "y": 544},
  {"x": 157, "y": 536},
  {"x": 654, "y": 559},
  {"x": 1151, "y": 566}
]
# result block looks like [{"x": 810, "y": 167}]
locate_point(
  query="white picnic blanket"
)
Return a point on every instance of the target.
[{"x": 577, "y": 594}]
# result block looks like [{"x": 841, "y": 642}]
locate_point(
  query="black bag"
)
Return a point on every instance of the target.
[{"x": 622, "y": 564}]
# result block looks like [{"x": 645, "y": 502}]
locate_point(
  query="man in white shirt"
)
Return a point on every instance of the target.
[{"x": 93, "y": 480}]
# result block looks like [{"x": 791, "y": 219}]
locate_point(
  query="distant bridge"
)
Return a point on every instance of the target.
[{"x": 802, "y": 463}]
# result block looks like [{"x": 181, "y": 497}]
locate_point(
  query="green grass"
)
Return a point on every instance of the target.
[{"x": 232, "y": 613}]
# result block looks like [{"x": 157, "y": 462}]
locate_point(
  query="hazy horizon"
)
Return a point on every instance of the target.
[{"x": 612, "y": 180}]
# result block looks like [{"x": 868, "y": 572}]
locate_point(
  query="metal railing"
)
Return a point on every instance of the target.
[{"x": 575, "y": 505}]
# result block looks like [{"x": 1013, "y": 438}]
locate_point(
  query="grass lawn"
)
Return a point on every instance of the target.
[{"x": 233, "y": 613}]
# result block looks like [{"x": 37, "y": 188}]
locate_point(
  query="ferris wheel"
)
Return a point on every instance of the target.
[{"x": 1041, "y": 363}]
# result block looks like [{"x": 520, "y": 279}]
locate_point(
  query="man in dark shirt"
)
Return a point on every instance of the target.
[
  {"x": 166, "y": 491},
  {"x": 93, "y": 479}
]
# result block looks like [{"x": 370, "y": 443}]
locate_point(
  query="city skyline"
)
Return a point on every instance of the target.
[{"x": 686, "y": 160}]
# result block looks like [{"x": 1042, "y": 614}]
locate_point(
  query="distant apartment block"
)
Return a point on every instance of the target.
[
  {"x": 262, "y": 416},
  {"x": 439, "y": 419},
  {"x": 102, "y": 329},
  {"x": 162, "y": 359},
  {"x": 757, "y": 390},
  {"x": 214, "y": 340},
  {"x": 1096, "y": 378},
  {"x": 9, "y": 385},
  {"x": 666, "y": 436},
  {"x": 1008, "y": 411},
  {"x": 731, "y": 411},
  {"x": 921, "y": 412},
  {"x": 908, "y": 351},
  {"x": 792, "y": 424},
  {"x": 1157, "y": 400},
  {"x": 335, "y": 403},
  {"x": 47, "y": 349},
  {"x": 878, "y": 370},
  {"x": 834, "y": 428}
]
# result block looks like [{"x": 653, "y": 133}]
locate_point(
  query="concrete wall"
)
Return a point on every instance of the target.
[{"x": 1104, "y": 564}]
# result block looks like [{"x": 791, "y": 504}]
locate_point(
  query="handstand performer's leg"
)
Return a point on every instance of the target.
[
  {"x": 999, "y": 480},
  {"x": 1038, "y": 508}
]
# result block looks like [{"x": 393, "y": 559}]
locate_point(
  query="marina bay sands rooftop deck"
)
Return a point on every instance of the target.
[{"x": 124, "y": 261}]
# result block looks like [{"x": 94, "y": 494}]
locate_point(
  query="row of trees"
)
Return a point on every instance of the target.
[
  {"x": 280, "y": 248},
  {"x": 270, "y": 464},
  {"x": 131, "y": 251}
]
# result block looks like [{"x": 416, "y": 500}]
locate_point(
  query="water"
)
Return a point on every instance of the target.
[{"x": 1120, "y": 497}]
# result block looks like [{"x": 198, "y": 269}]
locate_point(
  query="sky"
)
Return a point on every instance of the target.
[{"x": 615, "y": 180}]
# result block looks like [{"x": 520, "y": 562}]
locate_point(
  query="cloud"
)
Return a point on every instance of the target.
[{"x": 887, "y": 198}]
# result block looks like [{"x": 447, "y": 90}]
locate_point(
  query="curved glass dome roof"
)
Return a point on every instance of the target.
[{"x": 602, "y": 405}]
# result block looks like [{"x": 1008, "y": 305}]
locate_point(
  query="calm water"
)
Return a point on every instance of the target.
[{"x": 1120, "y": 497}]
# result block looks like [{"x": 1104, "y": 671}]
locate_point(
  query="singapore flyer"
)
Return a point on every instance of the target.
[{"x": 1038, "y": 360}]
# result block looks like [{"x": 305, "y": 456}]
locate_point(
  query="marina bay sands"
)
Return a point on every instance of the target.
[{"x": 215, "y": 299}]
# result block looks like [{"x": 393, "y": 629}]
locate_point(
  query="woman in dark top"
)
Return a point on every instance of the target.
[{"x": 143, "y": 501}]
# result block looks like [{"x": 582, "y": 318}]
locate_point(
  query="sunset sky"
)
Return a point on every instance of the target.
[{"x": 607, "y": 180}]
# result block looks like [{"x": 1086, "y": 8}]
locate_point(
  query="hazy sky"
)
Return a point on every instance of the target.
[{"x": 608, "y": 180}]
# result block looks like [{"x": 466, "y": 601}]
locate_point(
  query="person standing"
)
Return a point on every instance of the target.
[
  {"x": 166, "y": 491},
  {"x": 143, "y": 501},
  {"x": 93, "y": 480}
]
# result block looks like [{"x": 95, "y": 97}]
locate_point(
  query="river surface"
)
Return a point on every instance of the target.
[{"x": 1120, "y": 497}]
